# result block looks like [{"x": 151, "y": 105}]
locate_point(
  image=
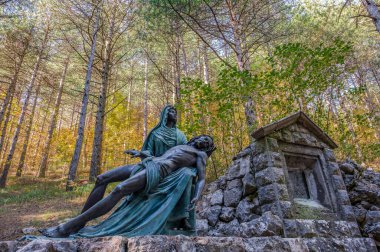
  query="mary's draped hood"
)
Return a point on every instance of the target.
[{"x": 163, "y": 135}]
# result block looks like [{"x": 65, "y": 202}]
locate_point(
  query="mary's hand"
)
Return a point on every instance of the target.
[
  {"x": 133, "y": 153},
  {"x": 193, "y": 203}
]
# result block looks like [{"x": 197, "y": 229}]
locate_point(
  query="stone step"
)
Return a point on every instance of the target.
[{"x": 184, "y": 243}]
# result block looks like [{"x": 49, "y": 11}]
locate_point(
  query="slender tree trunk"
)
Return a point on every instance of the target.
[
  {"x": 236, "y": 27},
  {"x": 348, "y": 117},
  {"x": 5, "y": 136},
  {"x": 373, "y": 12},
  {"x": 206, "y": 76},
  {"x": 8, "y": 161},
  {"x": 96, "y": 158},
  {"x": 130, "y": 93},
  {"x": 4, "y": 129},
  {"x": 83, "y": 113},
  {"x": 29, "y": 88},
  {"x": 145, "y": 99},
  {"x": 53, "y": 123},
  {"x": 37, "y": 148},
  {"x": 7, "y": 104},
  {"x": 184, "y": 55},
  {"x": 27, "y": 136},
  {"x": 174, "y": 86},
  {"x": 72, "y": 117},
  {"x": 177, "y": 67},
  {"x": 199, "y": 57},
  {"x": 12, "y": 85}
]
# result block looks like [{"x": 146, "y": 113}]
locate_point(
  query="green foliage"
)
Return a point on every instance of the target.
[{"x": 305, "y": 72}]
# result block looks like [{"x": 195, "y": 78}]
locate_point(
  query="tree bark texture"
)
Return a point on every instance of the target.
[
  {"x": 373, "y": 11},
  {"x": 4, "y": 129},
  {"x": 35, "y": 155},
  {"x": 82, "y": 121},
  {"x": 29, "y": 88},
  {"x": 145, "y": 99},
  {"x": 53, "y": 124},
  {"x": 12, "y": 85},
  {"x": 96, "y": 157},
  {"x": 27, "y": 136},
  {"x": 238, "y": 49}
]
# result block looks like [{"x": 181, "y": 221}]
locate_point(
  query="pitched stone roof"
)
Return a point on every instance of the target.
[{"x": 299, "y": 117}]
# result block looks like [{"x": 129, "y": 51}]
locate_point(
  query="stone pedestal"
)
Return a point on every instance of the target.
[{"x": 182, "y": 243}]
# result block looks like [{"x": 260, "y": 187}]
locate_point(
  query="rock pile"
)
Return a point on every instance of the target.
[{"x": 363, "y": 187}]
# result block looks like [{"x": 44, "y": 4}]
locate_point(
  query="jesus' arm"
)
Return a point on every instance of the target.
[{"x": 201, "y": 171}]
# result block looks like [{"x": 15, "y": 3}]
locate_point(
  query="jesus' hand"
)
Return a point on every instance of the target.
[{"x": 133, "y": 153}]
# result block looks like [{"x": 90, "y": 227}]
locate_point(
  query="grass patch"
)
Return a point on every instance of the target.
[{"x": 29, "y": 189}]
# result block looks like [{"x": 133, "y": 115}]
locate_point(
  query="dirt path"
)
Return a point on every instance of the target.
[{"x": 15, "y": 217}]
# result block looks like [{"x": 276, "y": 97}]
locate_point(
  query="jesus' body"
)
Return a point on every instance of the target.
[{"x": 194, "y": 154}]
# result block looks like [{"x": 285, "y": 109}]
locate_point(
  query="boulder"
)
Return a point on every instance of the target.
[
  {"x": 211, "y": 214},
  {"x": 347, "y": 168},
  {"x": 249, "y": 185},
  {"x": 246, "y": 209},
  {"x": 232, "y": 196},
  {"x": 202, "y": 227},
  {"x": 216, "y": 198},
  {"x": 227, "y": 214},
  {"x": 232, "y": 228},
  {"x": 266, "y": 225}
]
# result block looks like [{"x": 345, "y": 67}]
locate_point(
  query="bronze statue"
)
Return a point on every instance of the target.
[
  {"x": 144, "y": 180},
  {"x": 161, "y": 138}
]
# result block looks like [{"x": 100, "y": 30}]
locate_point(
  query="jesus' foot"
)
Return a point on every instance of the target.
[{"x": 54, "y": 232}]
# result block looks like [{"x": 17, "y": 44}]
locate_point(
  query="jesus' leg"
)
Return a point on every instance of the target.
[
  {"x": 115, "y": 175},
  {"x": 133, "y": 184}
]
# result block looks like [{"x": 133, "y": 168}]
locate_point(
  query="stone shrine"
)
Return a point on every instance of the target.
[{"x": 286, "y": 183}]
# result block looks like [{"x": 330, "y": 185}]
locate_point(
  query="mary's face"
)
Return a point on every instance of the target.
[{"x": 172, "y": 115}]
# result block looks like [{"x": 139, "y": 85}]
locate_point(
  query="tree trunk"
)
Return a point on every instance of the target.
[
  {"x": 83, "y": 113},
  {"x": 12, "y": 85},
  {"x": 184, "y": 55},
  {"x": 7, "y": 104},
  {"x": 5, "y": 136},
  {"x": 4, "y": 130},
  {"x": 373, "y": 12},
  {"x": 35, "y": 156},
  {"x": 237, "y": 34},
  {"x": 348, "y": 117},
  {"x": 53, "y": 123},
  {"x": 27, "y": 136},
  {"x": 206, "y": 77},
  {"x": 29, "y": 88},
  {"x": 145, "y": 99},
  {"x": 96, "y": 157},
  {"x": 8, "y": 161}
]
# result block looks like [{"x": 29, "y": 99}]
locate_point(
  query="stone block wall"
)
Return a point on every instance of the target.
[{"x": 267, "y": 167}]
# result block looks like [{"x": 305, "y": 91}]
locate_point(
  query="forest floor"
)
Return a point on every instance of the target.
[{"x": 31, "y": 202}]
